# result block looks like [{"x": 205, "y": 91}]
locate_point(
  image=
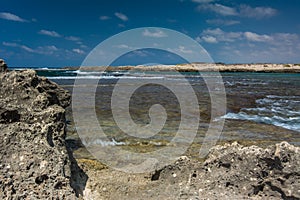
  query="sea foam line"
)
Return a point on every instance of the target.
[
  {"x": 291, "y": 123},
  {"x": 104, "y": 143}
]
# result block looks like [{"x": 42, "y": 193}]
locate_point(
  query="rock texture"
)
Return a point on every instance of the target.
[
  {"x": 254, "y": 172},
  {"x": 34, "y": 160},
  {"x": 231, "y": 171},
  {"x": 3, "y": 66}
]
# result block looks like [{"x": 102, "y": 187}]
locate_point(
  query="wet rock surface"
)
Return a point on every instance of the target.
[{"x": 35, "y": 161}]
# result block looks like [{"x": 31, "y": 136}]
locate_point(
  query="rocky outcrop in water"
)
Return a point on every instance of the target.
[{"x": 35, "y": 162}]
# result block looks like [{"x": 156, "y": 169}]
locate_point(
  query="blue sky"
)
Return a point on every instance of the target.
[{"x": 62, "y": 33}]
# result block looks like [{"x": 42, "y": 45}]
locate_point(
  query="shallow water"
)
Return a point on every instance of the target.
[{"x": 262, "y": 108}]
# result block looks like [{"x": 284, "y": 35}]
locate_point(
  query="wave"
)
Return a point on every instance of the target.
[
  {"x": 43, "y": 68},
  {"x": 104, "y": 143},
  {"x": 104, "y": 77},
  {"x": 283, "y": 111},
  {"x": 37, "y": 69},
  {"x": 48, "y": 69},
  {"x": 240, "y": 83},
  {"x": 275, "y": 110},
  {"x": 280, "y": 97},
  {"x": 86, "y": 73},
  {"x": 291, "y": 123}
]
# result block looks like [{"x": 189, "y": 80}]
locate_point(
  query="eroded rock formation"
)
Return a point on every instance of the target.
[
  {"x": 34, "y": 159},
  {"x": 231, "y": 171}
]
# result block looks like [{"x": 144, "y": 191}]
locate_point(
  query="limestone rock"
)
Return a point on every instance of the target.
[
  {"x": 3, "y": 66},
  {"x": 35, "y": 162},
  {"x": 230, "y": 171},
  {"x": 271, "y": 173}
]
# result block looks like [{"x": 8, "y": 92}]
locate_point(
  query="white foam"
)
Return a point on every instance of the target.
[
  {"x": 103, "y": 143},
  {"x": 281, "y": 97},
  {"x": 72, "y": 77},
  {"x": 104, "y": 77},
  {"x": 87, "y": 73},
  {"x": 291, "y": 123}
]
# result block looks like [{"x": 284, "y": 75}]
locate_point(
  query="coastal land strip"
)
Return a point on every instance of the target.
[{"x": 200, "y": 67}]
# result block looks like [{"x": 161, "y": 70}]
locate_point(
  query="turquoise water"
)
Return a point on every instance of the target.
[
  {"x": 261, "y": 109},
  {"x": 276, "y": 95},
  {"x": 269, "y": 98}
]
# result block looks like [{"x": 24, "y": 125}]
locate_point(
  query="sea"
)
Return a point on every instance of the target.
[{"x": 261, "y": 108}]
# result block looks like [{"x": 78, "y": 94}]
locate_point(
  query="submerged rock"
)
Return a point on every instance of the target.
[{"x": 35, "y": 162}]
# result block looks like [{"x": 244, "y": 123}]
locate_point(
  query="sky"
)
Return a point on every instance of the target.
[{"x": 54, "y": 33}]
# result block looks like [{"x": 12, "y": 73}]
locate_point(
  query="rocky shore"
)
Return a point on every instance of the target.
[
  {"x": 36, "y": 161},
  {"x": 204, "y": 67},
  {"x": 230, "y": 171}
]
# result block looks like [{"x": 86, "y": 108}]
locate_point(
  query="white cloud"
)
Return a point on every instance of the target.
[
  {"x": 123, "y": 46},
  {"x": 254, "y": 37},
  {"x": 216, "y": 31},
  {"x": 28, "y": 49},
  {"x": 155, "y": 34},
  {"x": 49, "y": 33},
  {"x": 73, "y": 38},
  {"x": 52, "y": 47},
  {"x": 181, "y": 50},
  {"x": 258, "y": 54},
  {"x": 219, "y": 9},
  {"x": 84, "y": 46},
  {"x": 79, "y": 51},
  {"x": 203, "y": 1},
  {"x": 11, "y": 17},
  {"x": 218, "y": 35},
  {"x": 121, "y": 16},
  {"x": 45, "y": 50},
  {"x": 252, "y": 47},
  {"x": 185, "y": 50},
  {"x": 222, "y": 22},
  {"x": 121, "y": 25},
  {"x": 140, "y": 53},
  {"x": 10, "y": 44},
  {"x": 209, "y": 39},
  {"x": 241, "y": 11},
  {"x": 257, "y": 12},
  {"x": 103, "y": 18},
  {"x": 286, "y": 38}
]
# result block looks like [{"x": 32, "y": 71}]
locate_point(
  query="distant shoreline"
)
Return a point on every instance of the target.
[{"x": 202, "y": 67}]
